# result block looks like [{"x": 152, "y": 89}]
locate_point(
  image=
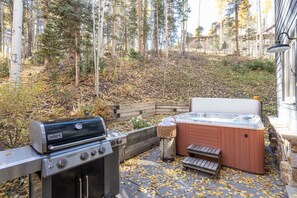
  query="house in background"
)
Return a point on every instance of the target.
[{"x": 284, "y": 125}]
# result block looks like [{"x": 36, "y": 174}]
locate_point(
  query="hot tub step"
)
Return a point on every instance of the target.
[
  {"x": 202, "y": 165},
  {"x": 204, "y": 151}
]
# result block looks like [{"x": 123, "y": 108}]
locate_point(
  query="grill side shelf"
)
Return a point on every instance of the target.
[{"x": 18, "y": 162}]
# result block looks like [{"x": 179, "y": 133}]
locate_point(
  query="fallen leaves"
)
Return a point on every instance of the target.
[{"x": 157, "y": 178}]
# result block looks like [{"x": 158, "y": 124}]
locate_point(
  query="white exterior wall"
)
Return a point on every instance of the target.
[{"x": 285, "y": 20}]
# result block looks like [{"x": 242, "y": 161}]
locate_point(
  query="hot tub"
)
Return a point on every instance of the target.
[{"x": 239, "y": 136}]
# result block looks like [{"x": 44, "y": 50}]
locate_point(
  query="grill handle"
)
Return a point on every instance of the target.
[
  {"x": 87, "y": 186},
  {"x": 54, "y": 148},
  {"x": 80, "y": 188}
]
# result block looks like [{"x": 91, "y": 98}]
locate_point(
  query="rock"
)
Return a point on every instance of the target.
[
  {"x": 294, "y": 146},
  {"x": 285, "y": 148},
  {"x": 292, "y": 192},
  {"x": 293, "y": 183},
  {"x": 289, "y": 156},
  {"x": 293, "y": 159},
  {"x": 286, "y": 171},
  {"x": 294, "y": 174}
]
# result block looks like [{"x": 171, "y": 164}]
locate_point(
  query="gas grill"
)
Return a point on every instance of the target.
[
  {"x": 55, "y": 135},
  {"x": 68, "y": 158}
]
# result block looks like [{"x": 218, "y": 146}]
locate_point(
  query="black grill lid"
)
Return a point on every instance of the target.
[{"x": 46, "y": 136}]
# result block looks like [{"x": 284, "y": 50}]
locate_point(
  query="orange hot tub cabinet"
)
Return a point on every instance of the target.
[{"x": 241, "y": 148}]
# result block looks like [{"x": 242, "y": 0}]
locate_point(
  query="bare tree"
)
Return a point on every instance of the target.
[
  {"x": 166, "y": 28},
  {"x": 99, "y": 40},
  {"x": 94, "y": 49},
  {"x": 47, "y": 60},
  {"x": 2, "y": 27},
  {"x": 114, "y": 20},
  {"x": 260, "y": 35},
  {"x": 140, "y": 27},
  {"x": 183, "y": 26},
  {"x": 236, "y": 8},
  {"x": 156, "y": 27}
]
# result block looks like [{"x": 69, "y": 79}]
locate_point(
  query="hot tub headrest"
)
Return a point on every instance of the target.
[{"x": 226, "y": 105}]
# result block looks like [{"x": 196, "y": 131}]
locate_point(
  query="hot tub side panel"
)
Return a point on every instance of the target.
[
  {"x": 241, "y": 148},
  {"x": 182, "y": 139},
  {"x": 196, "y": 134}
]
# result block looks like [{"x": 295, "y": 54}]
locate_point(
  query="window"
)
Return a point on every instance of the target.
[{"x": 288, "y": 68}]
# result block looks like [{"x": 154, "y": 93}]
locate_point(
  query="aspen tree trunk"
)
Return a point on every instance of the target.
[
  {"x": 126, "y": 38},
  {"x": 30, "y": 29},
  {"x": 47, "y": 60},
  {"x": 100, "y": 50},
  {"x": 144, "y": 21},
  {"x": 166, "y": 28},
  {"x": 113, "y": 29},
  {"x": 221, "y": 26},
  {"x": 2, "y": 27},
  {"x": 181, "y": 38},
  {"x": 36, "y": 29},
  {"x": 140, "y": 28},
  {"x": 186, "y": 34},
  {"x": 94, "y": 50},
  {"x": 183, "y": 29},
  {"x": 156, "y": 29},
  {"x": 100, "y": 37},
  {"x": 260, "y": 35},
  {"x": 16, "y": 44},
  {"x": 77, "y": 35},
  {"x": 77, "y": 59},
  {"x": 236, "y": 28}
]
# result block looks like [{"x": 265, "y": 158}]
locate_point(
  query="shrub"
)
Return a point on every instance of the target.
[
  {"x": 226, "y": 62},
  {"x": 53, "y": 76},
  {"x": 101, "y": 108},
  {"x": 16, "y": 111},
  {"x": 102, "y": 65},
  {"x": 133, "y": 54},
  {"x": 62, "y": 96},
  {"x": 139, "y": 123},
  {"x": 98, "y": 107},
  {"x": 261, "y": 64},
  {"x": 4, "y": 68},
  {"x": 239, "y": 68}
]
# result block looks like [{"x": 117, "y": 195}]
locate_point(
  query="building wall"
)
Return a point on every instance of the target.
[{"x": 285, "y": 20}]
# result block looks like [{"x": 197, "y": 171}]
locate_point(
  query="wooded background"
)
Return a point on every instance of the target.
[{"x": 78, "y": 35}]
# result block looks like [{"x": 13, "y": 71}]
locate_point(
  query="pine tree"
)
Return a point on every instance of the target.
[{"x": 62, "y": 34}]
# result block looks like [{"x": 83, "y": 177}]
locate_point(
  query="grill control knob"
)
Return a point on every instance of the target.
[
  {"x": 102, "y": 150},
  {"x": 93, "y": 152},
  {"x": 62, "y": 163},
  {"x": 84, "y": 156},
  {"x": 119, "y": 141}
]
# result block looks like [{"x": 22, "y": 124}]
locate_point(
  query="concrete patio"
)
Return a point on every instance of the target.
[{"x": 147, "y": 176}]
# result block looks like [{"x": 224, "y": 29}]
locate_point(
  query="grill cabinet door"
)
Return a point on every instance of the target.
[
  {"x": 66, "y": 184},
  {"x": 93, "y": 178}
]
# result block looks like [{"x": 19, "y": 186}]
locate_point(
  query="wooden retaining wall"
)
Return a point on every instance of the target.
[
  {"x": 171, "y": 108},
  {"x": 128, "y": 111},
  {"x": 139, "y": 141}
]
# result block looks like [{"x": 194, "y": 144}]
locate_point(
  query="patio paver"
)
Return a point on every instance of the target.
[{"x": 147, "y": 176}]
